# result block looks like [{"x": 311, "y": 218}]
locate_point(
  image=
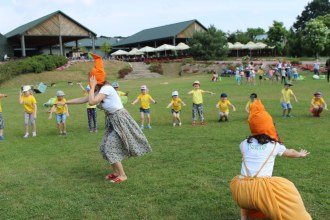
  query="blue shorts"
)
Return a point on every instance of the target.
[
  {"x": 60, "y": 118},
  {"x": 286, "y": 105},
  {"x": 146, "y": 111}
]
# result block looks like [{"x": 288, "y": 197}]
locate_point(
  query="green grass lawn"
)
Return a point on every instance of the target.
[{"x": 186, "y": 176}]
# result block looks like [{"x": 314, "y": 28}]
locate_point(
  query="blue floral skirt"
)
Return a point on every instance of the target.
[{"x": 122, "y": 138}]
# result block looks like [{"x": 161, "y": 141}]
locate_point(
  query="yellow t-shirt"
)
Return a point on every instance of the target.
[
  {"x": 120, "y": 93},
  {"x": 176, "y": 104},
  {"x": 60, "y": 109},
  {"x": 88, "y": 105},
  {"x": 286, "y": 95},
  {"x": 197, "y": 96},
  {"x": 260, "y": 72},
  {"x": 224, "y": 106},
  {"x": 319, "y": 102},
  {"x": 29, "y": 102},
  {"x": 0, "y": 105},
  {"x": 144, "y": 100}
]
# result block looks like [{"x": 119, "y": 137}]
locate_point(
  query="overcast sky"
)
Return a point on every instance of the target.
[{"x": 124, "y": 18}]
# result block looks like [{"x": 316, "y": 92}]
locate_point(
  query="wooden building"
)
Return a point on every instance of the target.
[
  {"x": 168, "y": 34},
  {"x": 54, "y": 29}
]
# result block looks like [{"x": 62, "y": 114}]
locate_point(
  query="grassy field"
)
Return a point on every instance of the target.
[{"x": 186, "y": 176}]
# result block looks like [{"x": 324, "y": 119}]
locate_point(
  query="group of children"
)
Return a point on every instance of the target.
[
  {"x": 284, "y": 72},
  {"x": 61, "y": 111}
]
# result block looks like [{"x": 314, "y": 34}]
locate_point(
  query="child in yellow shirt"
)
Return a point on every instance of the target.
[
  {"x": 318, "y": 104},
  {"x": 287, "y": 93},
  {"x": 144, "y": 99},
  {"x": 30, "y": 110},
  {"x": 197, "y": 98},
  {"x": 61, "y": 110},
  {"x": 176, "y": 108},
  {"x": 223, "y": 106},
  {"x": 2, "y": 124}
]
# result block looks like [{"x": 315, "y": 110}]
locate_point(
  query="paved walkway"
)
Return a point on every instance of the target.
[{"x": 140, "y": 70}]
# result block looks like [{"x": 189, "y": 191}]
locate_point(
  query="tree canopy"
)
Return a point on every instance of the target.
[{"x": 209, "y": 45}]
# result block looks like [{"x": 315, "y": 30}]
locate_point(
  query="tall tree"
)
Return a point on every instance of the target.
[
  {"x": 277, "y": 35},
  {"x": 314, "y": 9},
  {"x": 253, "y": 32},
  {"x": 105, "y": 48},
  {"x": 209, "y": 45},
  {"x": 316, "y": 36}
]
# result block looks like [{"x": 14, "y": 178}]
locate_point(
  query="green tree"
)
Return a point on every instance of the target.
[
  {"x": 277, "y": 36},
  {"x": 316, "y": 36},
  {"x": 253, "y": 32},
  {"x": 238, "y": 36},
  {"x": 106, "y": 48},
  {"x": 209, "y": 45},
  {"x": 313, "y": 9}
]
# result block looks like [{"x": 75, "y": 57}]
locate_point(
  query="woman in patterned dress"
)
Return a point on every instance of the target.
[{"x": 122, "y": 138}]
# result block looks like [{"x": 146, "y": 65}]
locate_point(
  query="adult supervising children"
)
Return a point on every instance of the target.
[
  {"x": 255, "y": 190},
  {"x": 122, "y": 137}
]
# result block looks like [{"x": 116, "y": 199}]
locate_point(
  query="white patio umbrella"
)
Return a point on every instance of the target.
[
  {"x": 237, "y": 46},
  {"x": 181, "y": 46},
  {"x": 135, "y": 51},
  {"x": 119, "y": 53},
  {"x": 165, "y": 47},
  {"x": 147, "y": 49},
  {"x": 250, "y": 46}
]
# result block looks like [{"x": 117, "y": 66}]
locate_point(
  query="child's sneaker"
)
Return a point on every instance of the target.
[
  {"x": 2, "y": 138},
  {"x": 174, "y": 124},
  {"x": 142, "y": 127},
  {"x": 34, "y": 134},
  {"x": 180, "y": 123},
  {"x": 203, "y": 123},
  {"x": 149, "y": 126},
  {"x": 26, "y": 135},
  {"x": 193, "y": 123}
]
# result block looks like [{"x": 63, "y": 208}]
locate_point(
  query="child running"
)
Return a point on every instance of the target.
[
  {"x": 144, "y": 99},
  {"x": 30, "y": 107},
  {"x": 122, "y": 95},
  {"x": 318, "y": 104},
  {"x": 197, "y": 98},
  {"x": 91, "y": 111},
  {"x": 61, "y": 110},
  {"x": 223, "y": 106},
  {"x": 176, "y": 108},
  {"x": 287, "y": 93},
  {"x": 2, "y": 124}
]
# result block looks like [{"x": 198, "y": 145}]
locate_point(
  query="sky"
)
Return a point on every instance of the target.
[{"x": 127, "y": 17}]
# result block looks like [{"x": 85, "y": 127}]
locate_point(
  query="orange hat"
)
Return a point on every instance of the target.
[
  {"x": 261, "y": 121},
  {"x": 98, "y": 70}
]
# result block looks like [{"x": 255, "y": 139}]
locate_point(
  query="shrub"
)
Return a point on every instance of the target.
[
  {"x": 124, "y": 71},
  {"x": 36, "y": 64},
  {"x": 156, "y": 68}
]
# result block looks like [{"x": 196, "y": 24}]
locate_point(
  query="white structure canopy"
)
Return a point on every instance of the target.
[
  {"x": 119, "y": 53},
  {"x": 165, "y": 47},
  {"x": 147, "y": 49},
  {"x": 135, "y": 51},
  {"x": 181, "y": 46}
]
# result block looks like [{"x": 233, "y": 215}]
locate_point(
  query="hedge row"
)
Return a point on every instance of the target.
[{"x": 35, "y": 64}]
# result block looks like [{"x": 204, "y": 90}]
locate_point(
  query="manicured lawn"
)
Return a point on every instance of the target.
[{"x": 186, "y": 176}]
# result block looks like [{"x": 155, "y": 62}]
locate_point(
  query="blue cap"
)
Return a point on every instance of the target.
[{"x": 115, "y": 85}]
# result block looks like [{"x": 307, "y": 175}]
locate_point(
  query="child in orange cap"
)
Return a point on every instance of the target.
[
  {"x": 318, "y": 104},
  {"x": 197, "y": 98},
  {"x": 255, "y": 190}
]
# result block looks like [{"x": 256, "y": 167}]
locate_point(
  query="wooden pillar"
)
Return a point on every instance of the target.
[
  {"x": 61, "y": 45},
  {"x": 174, "y": 43},
  {"x": 23, "y": 46}
]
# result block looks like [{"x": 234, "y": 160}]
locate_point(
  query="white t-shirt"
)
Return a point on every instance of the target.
[
  {"x": 256, "y": 154},
  {"x": 112, "y": 102}
]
